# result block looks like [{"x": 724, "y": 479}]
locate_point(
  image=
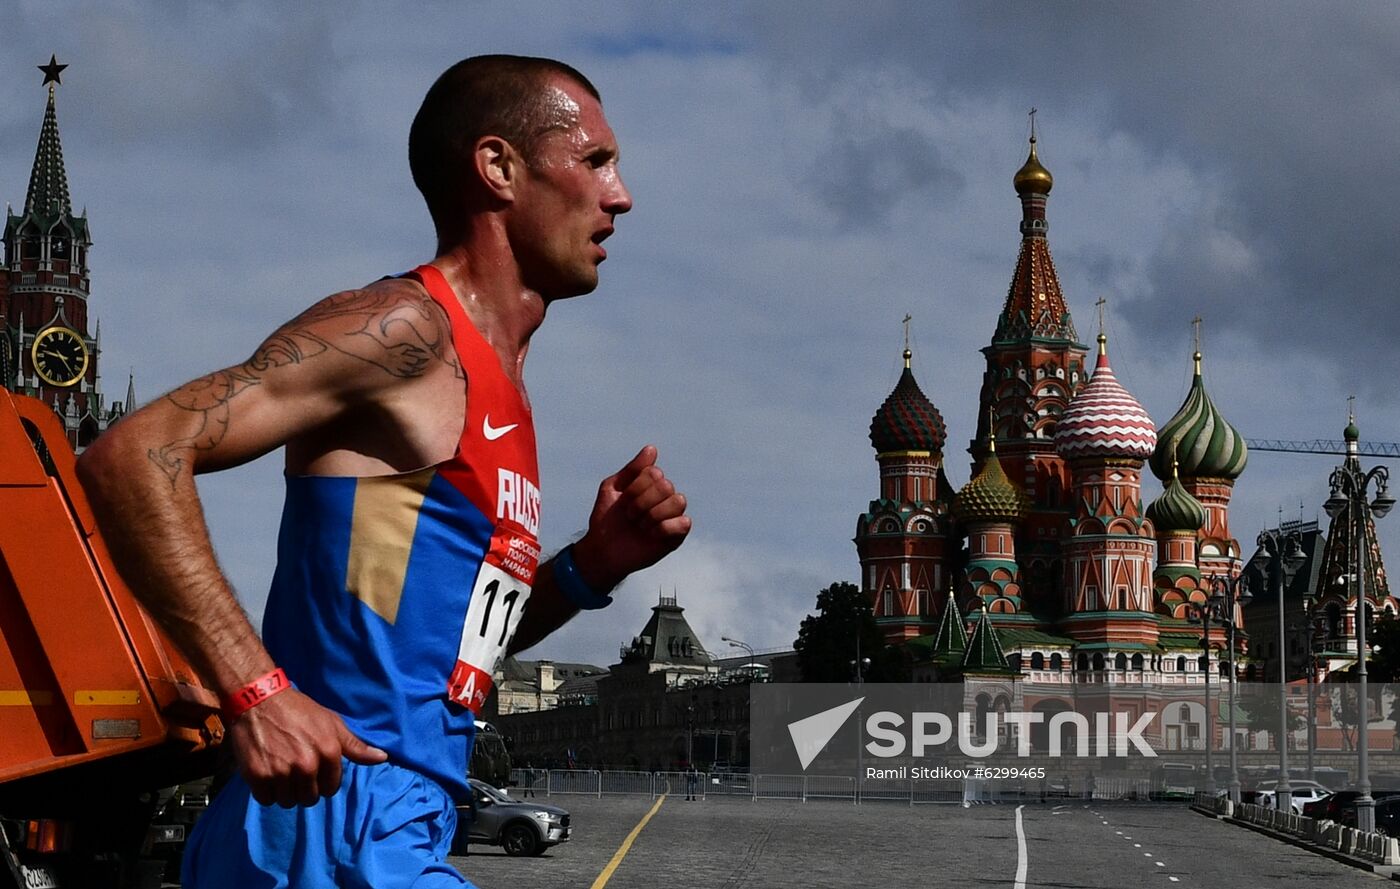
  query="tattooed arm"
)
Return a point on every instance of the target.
[{"x": 351, "y": 355}]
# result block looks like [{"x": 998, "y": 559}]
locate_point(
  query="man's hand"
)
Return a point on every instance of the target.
[
  {"x": 289, "y": 748},
  {"x": 638, "y": 519}
]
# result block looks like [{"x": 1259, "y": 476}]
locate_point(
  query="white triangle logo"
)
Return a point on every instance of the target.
[{"x": 811, "y": 735}]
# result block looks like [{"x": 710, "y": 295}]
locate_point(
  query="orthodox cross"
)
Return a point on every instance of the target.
[
  {"x": 1100, "y": 304},
  {"x": 1032, "y": 117},
  {"x": 1196, "y": 323},
  {"x": 907, "y": 319},
  {"x": 1351, "y": 408}
]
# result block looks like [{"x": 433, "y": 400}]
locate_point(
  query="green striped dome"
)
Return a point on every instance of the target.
[
  {"x": 1176, "y": 510},
  {"x": 1206, "y": 445}
]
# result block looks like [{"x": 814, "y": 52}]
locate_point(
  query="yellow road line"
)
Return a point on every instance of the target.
[{"x": 626, "y": 845}]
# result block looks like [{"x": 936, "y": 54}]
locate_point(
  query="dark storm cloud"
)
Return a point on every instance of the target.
[
  {"x": 872, "y": 164},
  {"x": 1294, "y": 107}
]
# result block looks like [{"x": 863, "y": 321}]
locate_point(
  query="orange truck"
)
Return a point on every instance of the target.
[{"x": 100, "y": 715}]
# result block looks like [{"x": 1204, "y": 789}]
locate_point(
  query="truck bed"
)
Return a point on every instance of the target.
[{"x": 91, "y": 692}]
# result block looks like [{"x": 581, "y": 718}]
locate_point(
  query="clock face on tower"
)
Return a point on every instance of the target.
[{"x": 60, "y": 356}]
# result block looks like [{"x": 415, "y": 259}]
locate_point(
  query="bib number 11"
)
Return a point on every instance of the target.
[{"x": 497, "y": 603}]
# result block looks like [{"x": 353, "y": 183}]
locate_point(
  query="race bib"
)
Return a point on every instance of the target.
[{"x": 498, "y": 600}]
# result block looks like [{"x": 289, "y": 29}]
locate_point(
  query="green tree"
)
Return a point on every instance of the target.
[
  {"x": 1259, "y": 701},
  {"x": 826, "y": 640}
]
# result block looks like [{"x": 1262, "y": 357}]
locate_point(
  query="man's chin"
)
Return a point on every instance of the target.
[{"x": 572, "y": 289}]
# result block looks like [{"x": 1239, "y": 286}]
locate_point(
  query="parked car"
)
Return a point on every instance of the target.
[
  {"x": 520, "y": 827},
  {"x": 1318, "y": 807},
  {"x": 1303, "y": 791},
  {"x": 1341, "y": 806},
  {"x": 1387, "y": 815}
]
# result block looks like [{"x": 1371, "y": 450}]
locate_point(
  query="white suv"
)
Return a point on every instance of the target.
[{"x": 1303, "y": 791}]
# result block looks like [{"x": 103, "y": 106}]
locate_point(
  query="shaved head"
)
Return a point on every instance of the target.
[{"x": 512, "y": 97}]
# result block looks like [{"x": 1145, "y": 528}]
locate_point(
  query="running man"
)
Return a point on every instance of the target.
[{"x": 408, "y": 559}]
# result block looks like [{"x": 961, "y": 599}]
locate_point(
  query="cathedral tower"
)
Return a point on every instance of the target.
[
  {"x": 989, "y": 508},
  {"x": 1034, "y": 366},
  {"x": 1105, "y": 436},
  {"x": 1210, "y": 455},
  {"x": 902, "y": 539},
  {"x": 1177, "y": 517}
]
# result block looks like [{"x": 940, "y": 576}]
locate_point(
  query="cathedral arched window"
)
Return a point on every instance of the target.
[
  {"x": 1057, "y": 663},
  {"x": 1120, "y": 662},
  {"x": 1137, "y": 662},
  {"x": 1098, "y": 661},
  {"x": 1181, "y": 664},
  {"x": 1082, "y": 663},
  {"x": 1037, "y": 661}
]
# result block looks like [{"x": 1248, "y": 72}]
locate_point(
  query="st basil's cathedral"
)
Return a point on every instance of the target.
[{"x": 1065, "y": 576}]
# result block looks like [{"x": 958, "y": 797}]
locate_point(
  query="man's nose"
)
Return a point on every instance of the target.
[{"x": 617, "y": 199}]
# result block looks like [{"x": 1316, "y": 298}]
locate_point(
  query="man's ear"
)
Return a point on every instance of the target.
[{"x": 498, "y": 167}]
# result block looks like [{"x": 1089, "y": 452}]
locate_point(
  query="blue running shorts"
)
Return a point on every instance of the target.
[{"x": 386, "y": 828}]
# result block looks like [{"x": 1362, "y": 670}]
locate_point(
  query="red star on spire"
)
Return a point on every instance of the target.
[{"x": 51, "y": 70}]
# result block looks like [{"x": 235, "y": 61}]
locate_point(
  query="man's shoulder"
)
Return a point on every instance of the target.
[{"x": 381, "y": 297}]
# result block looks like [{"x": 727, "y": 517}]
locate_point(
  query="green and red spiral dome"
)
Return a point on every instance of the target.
[{"x": 907, "y": 421}]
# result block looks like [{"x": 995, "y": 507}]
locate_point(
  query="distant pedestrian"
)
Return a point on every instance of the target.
[
  {"x": 692, "y": 782},
  {"x": 529, "y": 780}
]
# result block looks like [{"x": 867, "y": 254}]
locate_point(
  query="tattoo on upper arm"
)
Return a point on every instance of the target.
[{"x": 402, "y": 335}]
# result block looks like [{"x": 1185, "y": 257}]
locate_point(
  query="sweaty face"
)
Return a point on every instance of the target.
[{"x": 567, "y": 198}]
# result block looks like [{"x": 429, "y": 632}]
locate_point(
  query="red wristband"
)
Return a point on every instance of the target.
[{"x": 254, "y": 693}]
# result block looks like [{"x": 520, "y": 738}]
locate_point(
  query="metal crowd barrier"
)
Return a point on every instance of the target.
[
  {"x": 625, "y": 782},
  {"x": 743, "y": 785},
  {"x": 676, "y": 784}
]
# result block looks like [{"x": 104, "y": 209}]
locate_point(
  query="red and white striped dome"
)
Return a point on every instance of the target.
[{"x": 1104, "y": 420}]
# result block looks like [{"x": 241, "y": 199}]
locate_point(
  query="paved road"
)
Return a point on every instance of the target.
[{"x": 728, "y": 844}]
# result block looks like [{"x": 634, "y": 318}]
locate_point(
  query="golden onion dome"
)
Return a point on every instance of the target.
[
  {"x": 991, "y": 496},
  {"x": 1033, "y": 178}
]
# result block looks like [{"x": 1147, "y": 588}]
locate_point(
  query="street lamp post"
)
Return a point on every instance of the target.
[
  {"x": 1311, "y": 664},
  {"x": 1349, "y": 487},
  {"x": 1228, "y": 594},
  {"x": 858, "y": 667},
  {"x": 690, "y": 733},
  {"x": 748, "y": 667},
  {"x": 1282, "y": 564},
  {"x": 1204, "y": 614}
]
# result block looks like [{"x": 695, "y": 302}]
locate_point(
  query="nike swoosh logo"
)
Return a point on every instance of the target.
[{"x": 491, "y": 432}]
